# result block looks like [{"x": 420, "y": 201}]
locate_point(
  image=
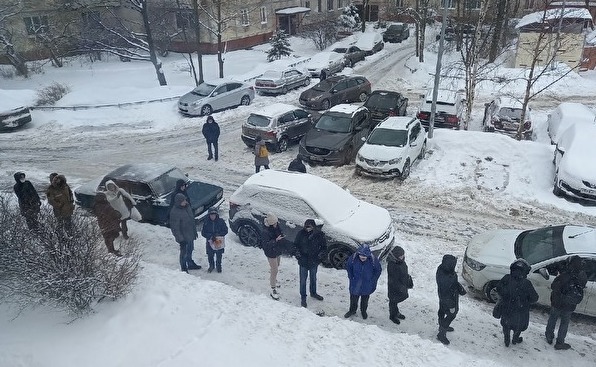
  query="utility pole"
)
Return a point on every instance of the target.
[{"x": 433, "y": 107}]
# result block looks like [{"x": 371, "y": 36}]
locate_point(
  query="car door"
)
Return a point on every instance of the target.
[
  {"x": 338, "y": 93},
  {"x": 287, "y": 124},
  {"x": 352, "y": 91},
  {"x": 416, "y": 141},
  {"x": 291, "y": 77},
  {"x": 303, "y": 123},
  {"x": 590, "y": 290},
  {"x": 218, "y": 98},
  {"x": 234, "y": 94},
  {"x": 361, "y": 128}
]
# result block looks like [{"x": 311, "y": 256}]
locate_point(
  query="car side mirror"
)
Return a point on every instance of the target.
[
  {"x": 363, "y": 138},
  {"x": 413, "y": 144},
  {"x": 544, "y": 273},
  {"x": 333, "y": 91}
]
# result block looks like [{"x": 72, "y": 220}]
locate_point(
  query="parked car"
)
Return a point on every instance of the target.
[
  {"x": 215, "y": 95},
  {"x": 565, "y": 115},
  {"x": 152, "y": 185},
  {"x": 280, "y": 82},
  {"x": 325, "y": 64},
  {"x": 396, "y": 33},
  {"x": 384, "y": 103},
  {"x": 503, "y": 115},
  {"x": 574, "y": 166},
  {"x": 277, "y": 124},
  {"x": 335, "y": 90},
  {"x": 294, "y": 197},
  {"x": 488, "y": 256},
  {"x": 449, "y": 109},
  {"x": 351, "y": 54},
  {"x": 462, "y": 30},
  {"x": 370, "y": 43},
  {"x": 12, "y": 114},
  {"x": 337, "y": 135},
  {"x": 391, "y": 148}
]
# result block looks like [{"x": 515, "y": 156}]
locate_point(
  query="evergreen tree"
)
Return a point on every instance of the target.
[{"x": 280, "y": 46}]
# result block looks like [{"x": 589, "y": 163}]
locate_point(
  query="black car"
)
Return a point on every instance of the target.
[
  {"x": 384, "y": 103},
  {"x": 337, "y": 135},
  {"x": 352, "y": 54},
  {"x": 396, "y": 33},
  {"x": 14, "y": 118},
  {"x": 334, "y": 90},
  {"x": 152, "y": 185}
]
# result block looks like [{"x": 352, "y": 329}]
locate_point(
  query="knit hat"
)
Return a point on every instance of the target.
[
  {"x": 212, "y": 210},
  {"x": 397, "y": 252},
  {"x": 210, "y": 119},
  {"x": 270, "y": 220},
  {"x": 575, "y": 263},
  {"x": 364, "y": 250},
  {"x": 310, "y": 223},
  {"x": 179, "y": 198},
  {"x": 520, "y": 265}
]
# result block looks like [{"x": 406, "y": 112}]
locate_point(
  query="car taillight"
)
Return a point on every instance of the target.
[
  {"x": 270, "y": 134},
  {"x": 234, "y": 205},
  {"x": 527, "y": 125},
  {"x": 450, "y": 119},
  {"x": 423, "y": 116},
  {"x": 251, "y": 88}
]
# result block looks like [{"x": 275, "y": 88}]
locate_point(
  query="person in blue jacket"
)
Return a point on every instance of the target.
[
  {"x": 214, "y": 231},
  {"x": 364, "y": 270}
]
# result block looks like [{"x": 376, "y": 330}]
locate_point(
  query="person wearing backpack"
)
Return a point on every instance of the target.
[
  {"x": 261, "y": 154},
  {"x": 516, "y": 294},
  {"x": 567, "y": 293}
]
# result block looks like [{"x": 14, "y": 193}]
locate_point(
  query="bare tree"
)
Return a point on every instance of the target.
[
  {"x": 8, "y": 11},
  {"x": 322, "y": 30},
  {"x": 421, "y": 15}
]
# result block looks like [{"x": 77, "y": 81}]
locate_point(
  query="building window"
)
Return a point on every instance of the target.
[
  {"x": 400, "y": 4},
  {"x": 307, "y": 4},
  {"x": 244, "y": 17},
  {"x": 450, "y": 4},
  {"x": 36, "y": 24},
  {"x": 183, "y": 19},
  {"x": 329, "y": 5},
  {"x": 472, "y": 4},
  {"x": 340, "y": 4},
  {"x": 320, "y": 6},
  {"x": 263, "y": 15},
  {"x": 91, "y": 19},
  {"x": 529, "y": 4}
]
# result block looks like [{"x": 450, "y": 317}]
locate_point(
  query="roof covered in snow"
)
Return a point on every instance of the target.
[{"x": 550, "y": 14}]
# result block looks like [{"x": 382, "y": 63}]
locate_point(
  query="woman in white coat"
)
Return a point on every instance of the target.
[{"x": 120, "y": 200}]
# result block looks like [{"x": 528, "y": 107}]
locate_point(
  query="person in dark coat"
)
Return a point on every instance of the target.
[
  {"x": 364, "y": 270},
  {"x": 261, "y": 155},
  {"x": 184, "y": 229},
  {"x": 108, "y": 220},
  {"x": 180, "y": 188},
  {"x": 311, "y": 246},
  {"x": 29, "y": 202},
  {"x": 273, "y": 244},
  {"x": 214, "y": 231},
  {"x": 211, "y": 134},
  {"x": 572, "y": 279},
  {"x": 297, "y": 166},
  {"x": 61, "y": 199},
  {"x": 398, "y": 282},
  {"x": 449, "y": 290},
  {"x": 516, "y": 294}
]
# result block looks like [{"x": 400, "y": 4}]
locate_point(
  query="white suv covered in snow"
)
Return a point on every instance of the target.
[{"x": 392, "y": 147}]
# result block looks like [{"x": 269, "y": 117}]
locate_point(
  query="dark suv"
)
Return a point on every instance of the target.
[
  {"x": 383, "y": 103},
  {"x": 396, "y": 33},
  {"x": 334, "y": 90},
  {"x": 337, "y": 136}
]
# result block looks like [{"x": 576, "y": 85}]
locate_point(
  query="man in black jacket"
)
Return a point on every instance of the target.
[
  {"x": 211, "y": 133},
  {"x": 449, "y": 291},
  {"x": 29, "y": 202},
  {"x": 567, "y": 292},
  {"x": 311, "y": 246},
  {"x": 297, "y": 166},
  {"x": 398, "y": 282}
]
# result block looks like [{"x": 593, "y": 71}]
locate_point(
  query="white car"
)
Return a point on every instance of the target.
[
  {"x": 449, "y": 109},
  {"x": 370, "y": 43},
  {"x": 392, "y": 147},
  {"x": 215, "y": 95},
  {"x": 295, "y": 197},
  {"x": 281, "y": 81},
  {"x": 488, "y": 256},
  {"x": 565, "y": 115},
  {"x": 327, "y": 63},
  {"x": 575, "y": 175}
]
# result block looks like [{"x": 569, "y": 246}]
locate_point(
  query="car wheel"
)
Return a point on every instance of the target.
[
  {"x": 490, "y": 291},
  {"x": 405, "y": 171},
  {"x": 284, "y": 90},
  {"x": 249, "y": 235},
  {"x": 556, "y": 189},
  {"x": 338, "y": 255},
  {"x": 363, "y": 97},
  {"x": 358, "y": 171},
  {"x": 422, "y": 151},
  {"x": 325, "y": 104},
  {"x": 206, "y": 110},
  {"x": 282, "y": 145},
  {"x": 306, "y": 82},
  {"x": 245, "y": 101}
]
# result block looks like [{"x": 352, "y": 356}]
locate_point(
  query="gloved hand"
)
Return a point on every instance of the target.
[{"x": 213, "y": 238}]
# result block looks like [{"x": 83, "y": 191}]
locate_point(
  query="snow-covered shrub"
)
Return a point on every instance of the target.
[
  {"x": 6, "y": 73},
  {"x": 51, "y": 94},
  {"x": 322, "y": 32},
  {"x": 70, "y": 271},
  {"x": 280, "y": 46},
  {"x": 350, "y": 18}
]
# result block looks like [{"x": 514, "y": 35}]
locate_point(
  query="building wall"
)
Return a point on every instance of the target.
[{"x": 570, "y": 50}]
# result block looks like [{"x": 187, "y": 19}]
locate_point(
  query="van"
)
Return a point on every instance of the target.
[{"x": 565, "y": 115}]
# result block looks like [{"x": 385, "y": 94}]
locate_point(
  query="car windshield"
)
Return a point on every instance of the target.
[
  {"x": 511, "y": 113},
  {"x": 271, "y": 74},
  {"x": 341, "y": 50},
  {"x": 258, "y": 120},
  {"x": 323, "y": 86},
  {"x": 388, "y": 137},
  {"x": 540, "y": 244},
  {"x": 335, "y": 123},
  {"x": 381, "y": 101},
  {"x": 166, "y": 183},
  {"x": 204, "y": 89}
]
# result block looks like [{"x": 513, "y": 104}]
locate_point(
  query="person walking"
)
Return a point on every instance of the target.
[
  {"x": 364, "y": 270},
  {"x": 261, "y": 154},
  {"x": 296, "y": 165},
  {"x": 214, "y": 231},
  {"x": 311, "y": 246},
  {"x": 61, "y": 199},
  {"x": 184, "y": 229},
  {"x": 108, "y": 220},
  {"x": 29, "y": 202},
  {"x": 211, "y": 134},
  {"x": 449, "y": 290},
  {"x": 272, "y": 247},
  {"x": 120, "y": 200},
  {"x": 567, "y": 293},
  {"x": 516, "y": 294},
  {"x": 398, "y": 282}
]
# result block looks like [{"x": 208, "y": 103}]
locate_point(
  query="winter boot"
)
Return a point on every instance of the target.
[
  {"x": 349, "y": 314},
  {"x": 274, "y": 294},
  {"x": 402, "y": 317},
  {"x": 316, "y": 296},
  {"x": 364, "y": 315},
  {"x": 562, "y": 346},
  {"x": 516, "y": 338},
  {"x": 506, "y": 338},
  {"x": 303, "y": 302},
  {"x": 442, "y": 336},
  {"x": 394, "y": 319}
]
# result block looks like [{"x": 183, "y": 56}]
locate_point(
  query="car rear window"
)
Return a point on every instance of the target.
[
  {"x": 540, "y": 244},
  {"x": 335, "y": 123},
  {"x": 512, "y": 113},
  {"x": 388, "y": 137},
  {"x": 381, "y": 101},
  {"x": 258, "y": 120}
]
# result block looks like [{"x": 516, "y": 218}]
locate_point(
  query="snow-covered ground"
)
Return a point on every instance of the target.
[{"x": 469, "y": 182}]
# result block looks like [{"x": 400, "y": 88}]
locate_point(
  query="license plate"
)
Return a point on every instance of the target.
[
  {"x": 316, "y": 158},
  {"x": 509, "y": 126},
  {"x": 587, "y": 191}
]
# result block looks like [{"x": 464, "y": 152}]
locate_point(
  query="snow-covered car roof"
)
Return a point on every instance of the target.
[
  {"x": 509, "y": 102},
  {"x": 576, "y": 110},
  {"x": 578, "y": 239},
  {"x": 580, "y": 151},
  {"x": 219, "y": 81},
  {"x": 349, "y": 109},
  {"x": 142, "y": 172},
  {"x": 323, "y": 58},
  {"x": 368, "y": 40},
  {"x": 444, "y": 96},
  {"x": 396, "y": 122},
  {"x": 7, "y": 103},
  {"x": 275, "y": 109}
]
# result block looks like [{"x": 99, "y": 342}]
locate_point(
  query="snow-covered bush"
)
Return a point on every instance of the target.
[
  {"x": 280, "y": 46},
  {"x": 322, "y": 32},
  {"x": 51, "y": 94},
  {"x": 350, "y": 18},
  {"x": 71, "y": 271}
]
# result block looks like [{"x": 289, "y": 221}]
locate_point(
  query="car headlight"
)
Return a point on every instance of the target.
[
  {"x": 395, "y": 160},
  {"x": 195, "y": 104},
  {"x": 199, "y": 210},
  {"x": 359, "y": 157},
  {"x": 475, "y": 265}
]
